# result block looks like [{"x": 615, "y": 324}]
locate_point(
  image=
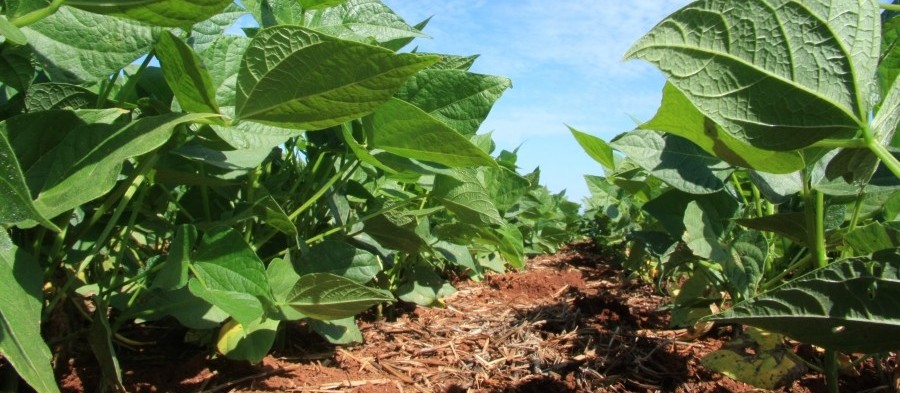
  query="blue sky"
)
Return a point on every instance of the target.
[{"x": 565, "y": 61}]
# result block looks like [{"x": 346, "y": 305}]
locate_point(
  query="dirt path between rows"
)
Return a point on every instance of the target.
[{"x": 570, "y": 323}]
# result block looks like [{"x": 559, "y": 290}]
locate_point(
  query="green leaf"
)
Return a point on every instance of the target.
[
  {"x": 292, "y": 76},
  {"x": 874, "y": 237},
  {"x": 678, "y": 116},
  {"x": 466, "y": 196},
  {"x": 669, "y": 208},
  {"x": 232, "y": 160},
  {"x": 390, "y": 232},
  {"x": 16, "y": 206},
  {"x": 78, "y": 46},
  {"x": 402, "y": 129},
  {"x": 789, "y": 225},
  {"x": 250, "y": 342},
  {"x": 327, "y": 297},
  {"x": 165, "y": 13},
  {"x": 86, "y": 162},
  {"x": 229, "y": 275},
  {"x": 849, "y": 306},
  {"x": 339, "y": 331},
  {"x": 58, "y": 96},
  {"x": 703, "y": 233},
  {"x": 186, "y": 75},
  {"x": 205, "y": 32},
  {"x": 191, "y": 311},
  {"x": 100, "y": 339},
  {"x": 361, "y": 20},
  {"x": 744, "y": 270},
  {"x": 460, "y": 256},
  {"x": 777, "y": 189},
  {"x": 16, "y": 66},
  {"x": 504, "y": 186},
  {"x": 460, "y": 99},
  {"x": 596, "y": 148},
  {"x": 319, "y": 4},
  {"x": 174, "y": 272},
  {"x": 739, "y": 63},
  {"x": 12, "y": 33},
  {"x": 889, "y": 68},
  {"x": 340, "y": 259},
  {"x": 674, "y": 160},
  {"x": 20, "y": 321},
  {"x": 769, "y": 366},
  {"x": 423, "y": 286}
]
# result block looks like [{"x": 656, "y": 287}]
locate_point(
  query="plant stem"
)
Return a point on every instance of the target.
[
  {"x": 319, "y": 193},
  {"x": 821, "y": 256},
  {"x": 890, "y": 7},
  {"x": 775, "y": 281},
  {"x": 831, "y": 371},
  {"x": 739, "y": 188},
  {"x": 814, "y": 208},
  {"x": 133, "y": 79},
  {"x": 37, "y": 15},
  {"x": 881, "y": 152}
]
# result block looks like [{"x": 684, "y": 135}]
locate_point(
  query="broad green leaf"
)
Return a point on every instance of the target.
[
  {"x": 398, "y": 44},
  {"x": 789, "y": 225},
  {"x": 20, "y": 321},
  {"x": 402, "y": 129},
  {"x": 205, "y": 32},
  {"x": 79, "y": 46},
  {"x": 777, "y": 189},
  {"x": 86, "y": 163},
  {"x": 423, "y": 286},
  {"x": 16, "y": 66},
  {"x": 319, "y": 4},
  {"x": 250, "y": 342},
  {"x": 165, "y": 13},
  {"x": 677, "y": 115},
  {"x": 596, "y": 148},
  {"x": 460, "y": 99},
  {"x": 186, "y": 75},
  {"x": 100, "y": 340},
  {"x": 889, "y": 68},
  {"x": 504, "y": 186},
  {"x": 361, "y": 20},
  {"x": 270, "y": 13},
  {"x": 669, "y": 208},
  {"x": 16, "y": 206},
  {"x": 340, "y": 259},
  {"x": 509, "y": 242},
  {"x": 292, "y": 76},
  {"x": 232, "y": 160},
  {"x": 391, "y": 233},
  {"x": 738, "y": 62},
  {"x": 283, "y": 276},
  {"x": 460, "y": 256},
  {"x": 849, "y": 306},
  {"x": 744, "y": 270},
  {"x": 229, "y": 275},
  {"x": 451, "y": 62},
  {"x": 874, "y": 237},
  {"x": 191, "y": 311},
  {"x": 12, "y": 33},
  {"x": 59, "y": 96},
  {"x": 17, "y": 8},
  {"x": 703, "y": 233},
  {"x": 327, "y": 297},
  {"x": 338, "y": 331},
  {"x": 674, "y": 160},
  {"x": 174, "y": 273},
  {"x": 466, "y": 196}
]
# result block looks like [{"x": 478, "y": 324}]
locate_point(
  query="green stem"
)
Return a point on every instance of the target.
[
  {"x": 890, "y": 7},
  {"x": 821, "y": 255},
  {"x": 106, "y": 89},
  {"x": 881, "y": 152},
  {"x": 831, "y": 371},
  {"x": 101, "y": 241},
  {"x": 841, "y": 144},
  {"x": 814, "y": 208},
  {"x": 37, "y": 15},
  {"x": 204, "y": 194},
  {"x": 739, "y": 188},
  {"x": 777, "y": 280},
  {"x": 133, "y": 79},
  {"x": 315, "y": 197}
]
